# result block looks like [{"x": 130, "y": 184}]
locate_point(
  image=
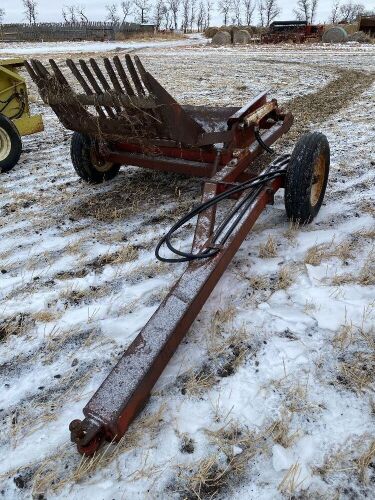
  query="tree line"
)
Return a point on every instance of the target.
[{"x": 191, "y": 15}]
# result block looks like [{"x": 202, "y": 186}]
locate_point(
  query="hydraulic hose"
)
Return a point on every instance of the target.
[{"x": 230, "y": 222}]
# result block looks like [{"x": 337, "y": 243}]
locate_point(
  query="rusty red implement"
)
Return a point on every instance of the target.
[{"x": 136, "y": 122}]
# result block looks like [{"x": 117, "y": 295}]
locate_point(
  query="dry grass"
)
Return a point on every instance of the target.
[
  {"x": 363, "y": 462},
  {"x": 285, "y": 277},
  {"x": 367, "y": 206},
  {"x": 318, "y": 253},
  {"x": 354, "y": 456},
  {"x": 358, "y": 371},
  {"x": 259, "y": 282},
  {"x": 196, "y": 383},
  {"x": 128, "y": 253},
  {"x": 268, "y": 249},
  {"x": 46, "y": 316},
  {"x": 291, "y": 233},
  {"x": 50, "y": 476},
  {"x": 211, "y": 475},
  {"x": 16, "y": 325},
  {"x": 292, "y": 481},
  {"x": 365, "y": 276},
  {"x": 280, "y": 431},
  {"x": 344, "y": 336}
]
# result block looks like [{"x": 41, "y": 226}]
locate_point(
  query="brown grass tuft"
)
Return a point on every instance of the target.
[{"x": 268, "y": 249}]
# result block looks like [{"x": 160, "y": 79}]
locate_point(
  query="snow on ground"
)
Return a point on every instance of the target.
[
  {"x": 31, "y": 49},
  {"x": 270, "y": 394}
]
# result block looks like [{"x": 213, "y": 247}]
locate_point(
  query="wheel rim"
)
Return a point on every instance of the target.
[
  {"x": 5, "y": 144},
  {"x": 317, "y": 180},
  {"x": 99, "y": 164}
]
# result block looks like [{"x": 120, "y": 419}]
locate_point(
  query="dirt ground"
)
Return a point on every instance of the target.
[{"x": 271, "y": 393}]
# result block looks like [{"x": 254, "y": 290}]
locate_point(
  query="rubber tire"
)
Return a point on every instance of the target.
[
  {"x": 299, "y": 177},
  {"x": 15, "y": 144},
  {"x": 80, "y": 152}
]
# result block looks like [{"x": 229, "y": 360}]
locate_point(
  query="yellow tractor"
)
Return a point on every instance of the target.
[{"x": 15, "y": 118}]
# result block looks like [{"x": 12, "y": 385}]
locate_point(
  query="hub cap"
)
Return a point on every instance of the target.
[{"x": 99, "y": 164}]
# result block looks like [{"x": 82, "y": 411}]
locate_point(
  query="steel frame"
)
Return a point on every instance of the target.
[{"x": 128, "y": 386}]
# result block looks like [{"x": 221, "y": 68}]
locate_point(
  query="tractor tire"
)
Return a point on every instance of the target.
[
  {"x": 85, "y": 163},
  {"x": 307, "y": 177},
  {"x": 10, "y": 144}
]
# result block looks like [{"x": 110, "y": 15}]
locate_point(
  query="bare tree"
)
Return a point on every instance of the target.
[
  {"x": 166, "y": 16},
  {"x": 81, "y": 11},
  {"x": 349, "y": 12},
  {"x": 112, "y": 14},
  {"x": 174, "y": 6},
  {"x": 209, "y": 5},
  {"x": 237, "y": 4},
  {"x": 69, "y": 13},
  {"x": 143, "y": 7},
  {"x": 261, "y": 12},
  {"x": 249, "y": 6},
  {"x": 201, "y": 15},
  {"x": 314, "y": 6},
  {"x": 306, "y": 10},
  {"x": 30, "y": 11},
  {"x": 268, "y": 11},
  {"x": 334, "y": 16},
  {"x": 302, "y": 10},
  {"x": 2, "y": 15},
  {"x": 126, "y": 7},
  {"x": 193, "y": 5},
  {"x": 225, "y": 7},
  {"x": 185, "y": 15},
  {"x": 158, "y": 13}
]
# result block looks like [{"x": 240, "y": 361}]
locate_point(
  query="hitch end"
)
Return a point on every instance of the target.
[{"x": 87, "y": 434}]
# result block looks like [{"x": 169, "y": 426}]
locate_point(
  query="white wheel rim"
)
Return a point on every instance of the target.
[
  {"x": 100, "y": 165},
  {"x": 5, "y": 144}
]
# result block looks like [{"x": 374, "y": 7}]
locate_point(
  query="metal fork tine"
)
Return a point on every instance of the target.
[
  {"x": 102, "y": 80},
  {"x": 99, "y": 74},
  {"x": 141, "y": 70},
  {"x": 95, "y": 85},
  {"x": 60, "y": 77},
  {"x": 39, "y": 69},
  {"x": 75, "y": 71},
  {"x": 112, "y": 75},
  {"x": 30, "y": 70},
  {"x": 122, "y": 74},
  {"x": 134, "y": 75}
]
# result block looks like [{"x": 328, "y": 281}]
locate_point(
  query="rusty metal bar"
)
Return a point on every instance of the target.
[
  {"x": 126, "y": 389},
  {"x": 122, "y": 75},
  {"x": 86, "y": 88},
  {"x": 134, "y": 75},
  {"x": 95, "y": 85},
  {"x": 106, "y": 99}
]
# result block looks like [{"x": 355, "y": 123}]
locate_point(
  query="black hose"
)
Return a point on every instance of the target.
[
  {"x": 255, "y": 185},
  {"x": 261, "y": 142},
  {"x": 6, "y": 103}
]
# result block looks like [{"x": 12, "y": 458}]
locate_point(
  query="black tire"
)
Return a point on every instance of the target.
[
  {"x": 307, "y": 177},
  {"x": 82, "y": 152},
  {"x": 10, "y": 144}
]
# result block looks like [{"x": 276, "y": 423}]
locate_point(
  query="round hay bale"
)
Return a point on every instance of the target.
[
  {"x": 221, "y": 38},
  {"x": 360, "y": 37},
  {"x": 210, "y": 32},
  {"x": 241, "y": 36},
  {"x": 335, "y": 35}
]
